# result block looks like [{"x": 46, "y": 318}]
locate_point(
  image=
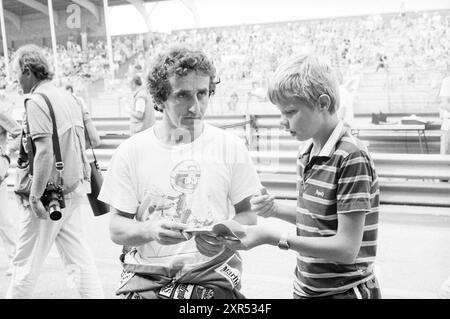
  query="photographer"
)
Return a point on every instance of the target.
[{"x": 37, "y": 232}]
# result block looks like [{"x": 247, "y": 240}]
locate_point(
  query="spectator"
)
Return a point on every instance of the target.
[
  {"x": 345, "y": 109},
  {"x": 142, "y": 114},
  {"x": 233, "y": 102},
  {"x": 91, "y": 134},
  {"x": 8, "y": 126},
  {"x": 444, "y": 114}
]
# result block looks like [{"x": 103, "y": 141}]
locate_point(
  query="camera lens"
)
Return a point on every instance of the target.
[
  {"x": 54, "y": 210},
  {"x": 55, "y": 215}
]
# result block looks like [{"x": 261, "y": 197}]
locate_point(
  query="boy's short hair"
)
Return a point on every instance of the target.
[
  {"x": 304, "y": 78},
  {"x": 178, "y": 61}
]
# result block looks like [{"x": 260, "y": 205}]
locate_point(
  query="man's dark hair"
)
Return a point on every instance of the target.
[{"x": 178, "y": 61}]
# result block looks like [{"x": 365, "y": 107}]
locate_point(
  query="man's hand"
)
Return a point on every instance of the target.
[
  {"x": 38, "y": 208},
  {"x": 167, "y": 232},
  {"x": 209, "y": 245},
  {"x": 263, "y": 205}
]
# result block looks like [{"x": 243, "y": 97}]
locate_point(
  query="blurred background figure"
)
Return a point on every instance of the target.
[
  {"x": 444, "y": 293},
  {"x": 8, "y": 126},
  {"x": 257, "y": 93},
  {"x": 345, "y": 111},
  {"x": 142, "y": 114},
  {"x": 91, "y": 134},
  {"x": 80, "y": 100},
  {"x": 444, "y": 113},
  {"x": 233, "y": 103}
]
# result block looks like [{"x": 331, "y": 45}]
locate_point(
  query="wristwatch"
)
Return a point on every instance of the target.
[{"x": 283, "y": 242}]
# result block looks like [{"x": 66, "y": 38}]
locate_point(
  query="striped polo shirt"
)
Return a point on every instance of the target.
[{"x": 341, "y": 179}]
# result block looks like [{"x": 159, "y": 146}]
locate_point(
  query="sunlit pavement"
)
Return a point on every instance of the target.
[{"x": 413, "y": 259}]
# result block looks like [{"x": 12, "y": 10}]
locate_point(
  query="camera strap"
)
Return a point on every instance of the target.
[
  {"x": 92, "y": 149},
  {"x": 24, "y": 156},
  {"x": 86, "y": 133},
  {"x": 56, "y": 149}
]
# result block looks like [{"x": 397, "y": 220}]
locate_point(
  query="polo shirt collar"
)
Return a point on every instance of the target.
[
  {"x": 306, "y": 149},
  {"x": 329, "y": 147}
]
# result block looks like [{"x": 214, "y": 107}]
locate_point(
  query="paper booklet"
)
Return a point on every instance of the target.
[{"x": 228, "y": 229}]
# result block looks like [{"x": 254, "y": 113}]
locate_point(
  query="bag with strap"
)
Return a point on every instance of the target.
[{"x": 98, "y": 207}]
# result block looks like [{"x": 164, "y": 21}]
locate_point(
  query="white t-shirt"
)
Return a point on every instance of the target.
[
  {"x": 196, "y": 183},
  {"x": 139, "y": 105}
]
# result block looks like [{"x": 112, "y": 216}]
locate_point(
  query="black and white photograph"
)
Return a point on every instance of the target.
[{"x": 258, "y": 150}]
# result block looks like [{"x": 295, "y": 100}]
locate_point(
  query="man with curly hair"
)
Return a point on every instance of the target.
[{"x": 179, "y": 174}]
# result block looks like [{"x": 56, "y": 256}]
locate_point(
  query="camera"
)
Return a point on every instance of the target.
[{"x": 53, "y": 200}]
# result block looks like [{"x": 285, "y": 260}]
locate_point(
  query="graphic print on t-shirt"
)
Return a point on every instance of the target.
[{"x": 184, "y": 180}]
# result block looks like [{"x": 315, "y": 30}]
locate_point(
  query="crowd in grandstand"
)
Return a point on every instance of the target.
[
  {"x": 420, "y": 40},
  {"x": 246, "y": 55}
]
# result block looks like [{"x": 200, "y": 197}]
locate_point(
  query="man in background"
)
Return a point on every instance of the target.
[
  {"x": 8, "y": 126},
  {"x": 345, "y": 111},
  {"x": 444, "y": 114},
  {"x": 142, "y": 115}
]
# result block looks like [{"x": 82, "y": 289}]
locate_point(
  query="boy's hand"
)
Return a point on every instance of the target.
[
  {"x": 263, "y": 205},
  {"x": 254, "y": 236}
]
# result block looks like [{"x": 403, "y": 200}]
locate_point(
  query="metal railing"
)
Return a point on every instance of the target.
[
  {"x": 418, "y": 179},
  {"x": 405, "y": 179}
]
